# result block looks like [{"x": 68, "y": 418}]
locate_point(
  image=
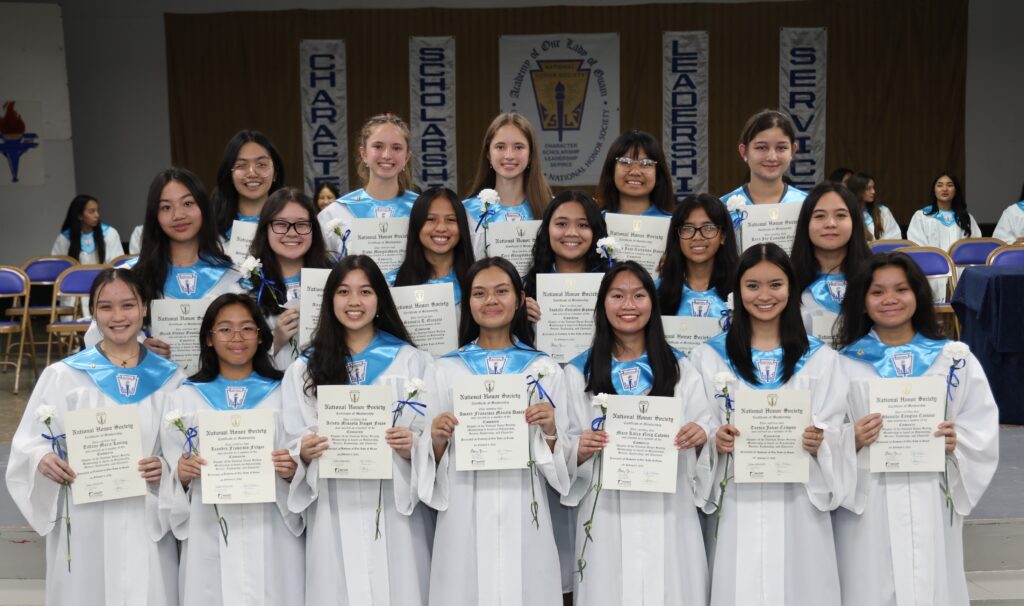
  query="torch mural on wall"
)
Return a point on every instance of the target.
[{"x": 14, "y": 141}]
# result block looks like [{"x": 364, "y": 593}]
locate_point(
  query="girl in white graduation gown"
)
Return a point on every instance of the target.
[
  {"x": 287, "y": 240},
  {"x": 489, "y": 548},
  {"x": 635, "y": 179},
  {"x": 509, "y": 184},
  {"x": 879, "y": 222},
  {"x": 647, "y": 548},
  {"x": 829, "y": 245},
  {"x": 260, "y": 560},
  {"x": 898, "y": 540},
  {"x": 120, "y": 551},
  {"x": 438, "y": 249},
  {"x": 250, "y": 170},
  {"x": 700, "y": 254},
  {"x": 1011, "y": 223},
  {"x": 383, "y": 166},
  {"x": 84, "y": 237},
  {"x": 766, "y": 147},
  {"x": 946, "y": 219},
  {"x": 360, "y": 340},
  {"x": 774, "y": 541}
]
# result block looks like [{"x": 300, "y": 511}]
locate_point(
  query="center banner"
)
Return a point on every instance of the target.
[{"x": 567, "y": 85}]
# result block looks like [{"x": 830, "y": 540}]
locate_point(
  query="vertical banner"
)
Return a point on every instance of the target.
[
  {"x": 567, "y": 85},
  {"x": 432, "y": 111},
  {"x": 803, "y": 62},
  {"x": 324, "y": 114},
  {"x": 684, "y": 119}
]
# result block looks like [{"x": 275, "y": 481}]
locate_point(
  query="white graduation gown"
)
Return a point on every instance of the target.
[
  {"x": 926, "y": 230},
  {"x": 810, "y": 309},
  {"x": 890, "y": 227},
  {"x": 775, "y": 541},
  {"x": 647, "y": 548},
  {"x": 121, "y": 552},
  {"x": 111, "y": 240},
  {"x": 345, "y": 565},
  {"x": 263, "y": 560},
  {"x": 135, "y": 241},
  {"x": 1011, "y": 224},
  {"x": 893, "y": 536},
  {"x": 486, "y": 548}
]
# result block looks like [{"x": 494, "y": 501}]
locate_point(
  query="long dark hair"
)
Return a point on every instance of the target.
[
  {"x": 854, "y": 321},
  {"x": 958, "y": 205},
  {"x": 520, "y": 328},
  {"x": 73, "y": 224},
  {"x": 154, "y": 258},
  {"x": 113, "y": 274},
  {"x": 415, "y": 269},
  {"x": 630, "y": 143},
  {"x": 209, "y": 363},
  {"x": 858, "y": 186},
  {"x": 805, "y": 264},
  {"x": 317, "y": 255},
  {"x": 598, "y": 367},
  {"x": 792, "y": 334},
  {"x": 673, "y": 269},
  {"x": 224, "y": 195},
  {"x": 544, "y": 257},
  {"x": 330, "y": 353}
]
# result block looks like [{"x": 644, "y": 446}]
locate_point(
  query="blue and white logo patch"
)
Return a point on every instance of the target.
[
  {"x": 127, "y": 385},
  {"x": 383, "y": 212},
  {"x": 837, "y": 288},
  {"x": 903, "y": 363},
  {"x": 768, "y": 369},
  {"x": 235, "y": 396},
  {"x": 356, "y": 372},
  {"x": 187, "y": 282},
  {"x": 700, "y": 307},
  {"x": 629, "y": 377},
  {"x": 496, "y": 364}
]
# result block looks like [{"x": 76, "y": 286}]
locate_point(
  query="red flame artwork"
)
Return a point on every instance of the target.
[{"x": 11, "y": 124}]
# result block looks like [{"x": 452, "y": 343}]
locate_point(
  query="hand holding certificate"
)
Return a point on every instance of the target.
[
  {"x": 911, "y": 410},
  {"x": 355, "y": 419},
  {"x": 641, "y": 454},
  {"x": 104, "y": 449},
  {"x": 238, "y": 447},
  {"x": 771, "y": 424},
  {"x": 492, "y": 432}
]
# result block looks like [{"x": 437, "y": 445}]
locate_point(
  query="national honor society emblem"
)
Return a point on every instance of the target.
[{"x": 560, "y": 88}]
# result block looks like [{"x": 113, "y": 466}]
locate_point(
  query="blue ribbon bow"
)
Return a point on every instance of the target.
[
  {"x": 741, "y": 216},
  {"x": 344, "y": 242},
  {"x": 417, "y": 407},
  {"x": 532, "y": 382},
  {"x": 490, "y": 212},
  {"x": 55, "y": 444},
  {"x": 728, "y": 401},
  {"x": 263, "y": 284},
  {"x": 608, "y": 255},
  {"x": 725, "y": 321},
  {"x": 598, "y": 423},
  {"x": 189, "y": 447},
  {"x": 953, "y": 381}
]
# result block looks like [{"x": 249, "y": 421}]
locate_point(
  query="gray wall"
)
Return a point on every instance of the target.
[{"x": 117, "y": 77}]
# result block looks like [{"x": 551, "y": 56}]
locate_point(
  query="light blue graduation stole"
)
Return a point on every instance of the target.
[
  {"x": 364, "y": 206},
  {"x": 829, "y": 290},
  {"x": 701, "y": 303},
  {"x": 1020, "y": 205},
  {"x": 869, "y": 221},
  {"x": 789, "y": 194},
  {"x": 946, "y": 217},
  {"x": 392, "y": 276},
  {"x": 193, "y": 282},
  {"x": 87, "y": 241},
  {"x": 634, "y": 377},
  {"x": 496, "y": 212},
  {"x": 654, "y": 211},
  {"x": 509, "y": 361},
  {"x": 767, "y": 364},
  {"x": 364, "y": 367},
  {"x": 227, "y": 394},
  {"x": 892, "y": 361},
  {"x": 124, "y": 385}
]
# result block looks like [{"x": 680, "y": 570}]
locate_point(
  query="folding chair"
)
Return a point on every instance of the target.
[
  {"x": 124, "y": 260},
  {"x": 74, "y": 282},
  {"x": 42, "y": 271},
  {"x": 881, "y": 246},
  {"x": 1007, "y": 255},
  {"x": 15, "y": 284},
  {"x": 937, "y": 265},
  {"x": 971, "y": 252}
]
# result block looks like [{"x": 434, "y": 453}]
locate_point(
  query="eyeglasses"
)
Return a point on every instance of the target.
[
  {"x": 262, "y": 168},
  {"x": 281, "y": 227},
  {"x": 626, "y": 161},
  {"x": 708, "y": 230},
  {"x": 226, "y": 333}
]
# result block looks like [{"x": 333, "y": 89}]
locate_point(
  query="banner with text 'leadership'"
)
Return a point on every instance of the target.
[
  {"x": 324, "y": 114},
  {"x": 432, "y": 111},
  {"x": 803, "y": 62},
  {"x": 684, "y": 120}
]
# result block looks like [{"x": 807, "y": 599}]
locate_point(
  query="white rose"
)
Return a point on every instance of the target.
[
  {"x": 250, "y": 266},
  {"x": 547, "y": 368},
  {"x": 736, "y": 202},
  {"x": 601, "y": 400},
  {"x": 956, "y": 350},
  {"x": 489, "y": 197},
  {"x": 606, "y": 247},
  {"x": 413, "y": 387},
  {"x": 722, "y": 380},
  {"x": 44, "y": 413},
  {"x": 172, "y": 418}
]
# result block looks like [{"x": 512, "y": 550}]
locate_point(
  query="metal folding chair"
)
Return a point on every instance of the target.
[
  {"x": 971, "y": 252},
  {"x": 1006, "y": 255},
  {"x": 75, "y": 283},
  {"x": 15, "y": 284},
  {"x": 881, "y": 246},
  {"x": 937, "y": 264}
]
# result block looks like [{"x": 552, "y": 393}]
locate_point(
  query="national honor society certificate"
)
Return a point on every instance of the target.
[
  {"x": 428, "y": 312},
  {"x": 492, "y": 431},
  {"x": 641, "y": 454},
  {"x": 770, "y": 223},
  {"x": 641, "y": 238},
  {"x": 104, "y": 449},
  {"x": 238, "y": 447},
  {"x": 770, "y": 447},
  {"x": 355, "y": 418},
  {"x": 177, "y": 323},
  {"x": 911, "y": 409},
  {"x": 513, "y": 240},
  {"x": 242, "y": 235},
  {"x": 311, "y": 297},
  {"x": 687, "y": 332},
  {"x": 566, "y": 325},
  {"x": 381, "y": 239}
]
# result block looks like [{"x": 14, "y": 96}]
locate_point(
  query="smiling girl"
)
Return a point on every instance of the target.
[
  {"x": 250, "y": 170},
  {"x": 634, "y": 179},
  {"x": 766, "y": 147}
]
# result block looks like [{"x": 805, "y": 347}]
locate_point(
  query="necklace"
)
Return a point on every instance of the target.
[{"x": 123, "y": 362}]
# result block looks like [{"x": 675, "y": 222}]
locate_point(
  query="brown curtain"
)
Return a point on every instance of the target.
[{"x": 896, "y": 78}]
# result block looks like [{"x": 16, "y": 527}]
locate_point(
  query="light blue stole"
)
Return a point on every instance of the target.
[
  {"x": 892, "y": 361},
  {"x": 227, "y": 394},
  {"x": 767, "y": 364},
  {"x": 124, "y": 385}
]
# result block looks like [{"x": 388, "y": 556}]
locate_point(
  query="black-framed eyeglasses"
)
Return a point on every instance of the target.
[
  {"x": 226, "y": 333},
  {"x": 281, "y": 227},
  {"x": 708, "y": 230},
  {"x": 627, "y": 162}
]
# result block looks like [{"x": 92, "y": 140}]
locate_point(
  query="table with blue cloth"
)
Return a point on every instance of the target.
[{"x": 989, "y": 301}]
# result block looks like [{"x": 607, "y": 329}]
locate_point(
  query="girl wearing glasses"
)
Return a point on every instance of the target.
[
  {"x": 119, "y": 552},
  {"x": 766, "y": 147},
  {"x": 386, "y": 175},
  {"x": 696, "y": 276},
  {"x": 829, "y": 246},
  {"x": 234, "y": 553},
  {"x": 84, "y": 237},
  {"x": 634, "y": 179},
  {"x": 360, "y": 340},
  {"x": 510, "y": 165},
  {"x": 250, "y": 170},
  {"x": 287, "y": 239},
  {"x": 438, "y": 249}
]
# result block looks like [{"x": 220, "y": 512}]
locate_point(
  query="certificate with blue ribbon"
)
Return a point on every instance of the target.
[
  {"x": 238, "y": 446},
  {"x": 770, "y": 223},
  {"x": 492, "y": 431},
  {"x": 641, "y": 454},
  {"x": 641, "y": 238},
  {"x": 770, "y": 447},
  {"x": 104, "y": 449},
  {"x": 355, "y": 418},
  {"x": 911, "y": 410}
]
